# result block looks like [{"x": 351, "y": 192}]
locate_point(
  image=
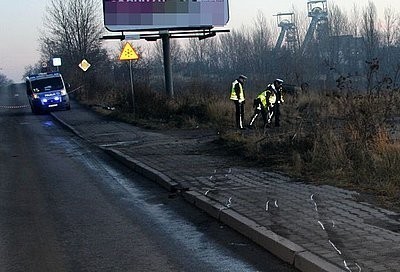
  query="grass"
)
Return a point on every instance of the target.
[{"x": 341, "y": 140}]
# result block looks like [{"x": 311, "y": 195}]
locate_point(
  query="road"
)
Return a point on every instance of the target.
[{"x": 66, "y": 206}]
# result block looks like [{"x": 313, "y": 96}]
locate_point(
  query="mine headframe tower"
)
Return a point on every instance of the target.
[
  {"x": 289, "y": 33},
  {"x": 318, "y": 29}
]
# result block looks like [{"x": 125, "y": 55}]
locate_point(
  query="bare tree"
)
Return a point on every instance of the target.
[
  {"x": 4, "y": 80},
  {"x": 203, "y": 57},
  {"x": 370, "y": 35},
  {"x": 261, "y": 41},
  {"x": 338, "y": 21},
  {"x": 301, "y": 21},
  {"x": 176, "y": 52},
  {"x": 389, "y": 27},
  {"x": 370, "y": 30},
  {"x": 235, "y": 52},
  {"x": 390, "y": 38},
  {"x": 196, "y": 56},
  {"x": 212, "y": 51},
  {"x": 355, "y": 21},
  {"x": 72, "y": 29}
]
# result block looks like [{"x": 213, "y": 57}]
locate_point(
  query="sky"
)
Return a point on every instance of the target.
[{"x": 21, "y": 21}]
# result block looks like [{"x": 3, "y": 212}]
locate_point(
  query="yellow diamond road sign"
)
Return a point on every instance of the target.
[
  {"x": 128, "y": 53},
  {"x": 84, "y": 65}
]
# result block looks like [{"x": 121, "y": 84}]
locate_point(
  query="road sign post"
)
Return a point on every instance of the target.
[
  {"x": 84, "y": 65},
  {"x": 132, "y": 88},
  {"x": 128, "y": 53}
]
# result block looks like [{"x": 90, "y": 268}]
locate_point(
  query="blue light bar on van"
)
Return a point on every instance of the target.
[{"x": 35, "y": 76}]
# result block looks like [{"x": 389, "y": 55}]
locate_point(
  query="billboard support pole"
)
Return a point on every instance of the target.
[{"x": 167, "y": 64}]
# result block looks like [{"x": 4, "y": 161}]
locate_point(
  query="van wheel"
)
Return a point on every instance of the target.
[{"x": 34, "y": 110}]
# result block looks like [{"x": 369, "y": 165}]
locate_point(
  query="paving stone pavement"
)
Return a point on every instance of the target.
[{"x": 316, "y": 228}]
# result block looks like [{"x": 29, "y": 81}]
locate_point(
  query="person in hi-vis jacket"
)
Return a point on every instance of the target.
[
  {"x": 268, "y": 103},
  {"x": 238, "y": 97}
]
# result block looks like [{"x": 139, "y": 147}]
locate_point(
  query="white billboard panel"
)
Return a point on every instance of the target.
[{"x": 124, "y": 15}]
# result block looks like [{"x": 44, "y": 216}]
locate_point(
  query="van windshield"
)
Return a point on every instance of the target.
[{"x": 47, "y": 84}]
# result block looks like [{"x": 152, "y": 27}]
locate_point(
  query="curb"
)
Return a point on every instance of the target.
[
  {"x": 143, "y": 169},
  {"x": 281, "y": 247},
  {"x": 66, "y": 125}
]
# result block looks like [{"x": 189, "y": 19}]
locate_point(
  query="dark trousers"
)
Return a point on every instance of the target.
[
  {"x": 239, "y": 106},
  {"x": 258, "y": 109},
  {"x": 275, "y": 112}
]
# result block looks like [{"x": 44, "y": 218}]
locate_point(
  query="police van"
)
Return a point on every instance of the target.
[{"x": 46, "y": 92}]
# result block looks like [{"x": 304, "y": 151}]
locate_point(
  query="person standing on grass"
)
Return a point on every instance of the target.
[
  {"x": 237, "y": 95},
  {"x": 275, "y": 99}
]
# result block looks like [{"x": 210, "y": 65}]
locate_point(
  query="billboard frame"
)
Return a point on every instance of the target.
[{"x": 117, "y": 16}]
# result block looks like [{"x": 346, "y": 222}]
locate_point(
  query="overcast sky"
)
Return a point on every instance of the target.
[{"x": 20, "y": 21}]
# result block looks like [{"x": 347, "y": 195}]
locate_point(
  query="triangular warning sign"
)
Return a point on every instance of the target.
[{"x": 128, "y": 53}]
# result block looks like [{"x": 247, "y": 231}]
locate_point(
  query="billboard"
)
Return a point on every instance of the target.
[{"x": 125, "y": 15}]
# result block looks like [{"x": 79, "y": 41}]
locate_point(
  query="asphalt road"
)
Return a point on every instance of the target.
[{"x": 66, "y": 206}]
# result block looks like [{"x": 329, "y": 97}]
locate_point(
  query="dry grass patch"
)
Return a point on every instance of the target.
[{"x": 342, "y": 140}]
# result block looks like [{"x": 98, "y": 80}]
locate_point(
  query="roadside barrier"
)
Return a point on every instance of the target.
[
  {"x": 14, "y": 106},
  {"x": 76, "y": 89}
]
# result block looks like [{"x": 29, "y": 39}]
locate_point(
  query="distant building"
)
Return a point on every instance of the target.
[{"x": 347, "y": 54}]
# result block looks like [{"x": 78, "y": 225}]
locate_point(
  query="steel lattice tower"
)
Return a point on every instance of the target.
[
  {"x": 286, "y": 21},
  {"x": 318, "y": 29}
]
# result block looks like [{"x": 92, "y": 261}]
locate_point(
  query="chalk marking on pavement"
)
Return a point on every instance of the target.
[
  {"x": 228, "y": 205},
  {"x": 209, "y": 191},
  {"x": 322, "y": 225},
  {"x": 315, "y": 204},
  {"x": 266, "y": 206},
  {"x": 347, "y": 267},
  {"x": 276, "y": 203},
  {"x": 332, "y": 244}
]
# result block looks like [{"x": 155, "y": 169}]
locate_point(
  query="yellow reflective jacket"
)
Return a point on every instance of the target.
[
  {"x": 237, "y": 94},
  {"x": 267, "y": 97},
  {"x": 263, "y": 98},
  {"x": 272, "y": 95}
]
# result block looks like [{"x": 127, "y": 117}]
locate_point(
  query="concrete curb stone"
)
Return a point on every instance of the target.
[
  {"x": 144, "y": 170},
  {"x": 277, "y": 245},
  {"x": 316, "y": 255}
]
